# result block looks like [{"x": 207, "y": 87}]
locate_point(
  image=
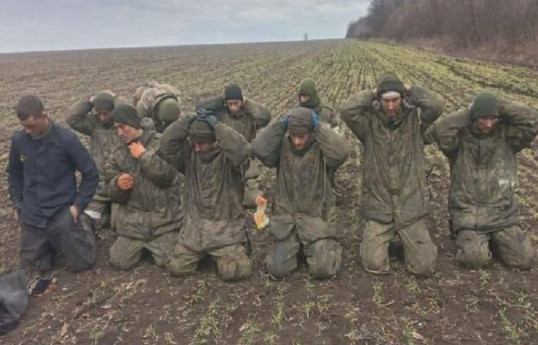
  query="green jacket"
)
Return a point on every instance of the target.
[
  {"x": 303, "y": 194},
  {"x": 483, "y": 168},
  {"x": 103, "y": 139},
  {"x": 153, "y": 206},
  {"x": 394, "y": 185},
  {"x": 249, "y": 119},
  {"x": 213, "y": 189}
]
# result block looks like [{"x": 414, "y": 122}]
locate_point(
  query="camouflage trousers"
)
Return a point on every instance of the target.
[
  {"x": 252, "y": 190},
  {"x": 420, "y": 253},
  {"x": 127, "y": 252},
  {"x": 512, "y": 245},
  {"x": 233, "y": 262},
  {"x": 323, "y": 256},
  {"x": 63, "y": 235},
  {"x": 97, "y": 215}
]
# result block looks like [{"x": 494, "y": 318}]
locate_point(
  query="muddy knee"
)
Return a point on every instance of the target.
[
  {"x": 473, "y": 256},
  {"x": 324, "y": 258}
]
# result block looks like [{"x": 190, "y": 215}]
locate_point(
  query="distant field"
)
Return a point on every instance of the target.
[{"x": 147, "y": 306}]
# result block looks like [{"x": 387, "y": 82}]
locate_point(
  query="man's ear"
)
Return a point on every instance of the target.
[{"x": 45, "y": 114}]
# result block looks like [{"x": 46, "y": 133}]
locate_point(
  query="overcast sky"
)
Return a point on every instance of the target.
[{"x": 34, "y": 25}]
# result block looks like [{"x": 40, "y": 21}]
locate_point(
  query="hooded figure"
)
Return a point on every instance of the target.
[
  {"x": 245, "y": 116},
  {"x": 390, "y": 123},
  {"x": 91, "y": 116},
  {"x": 308, "y": 98},
  {"x": 481, "y": 144},
  {"x": 213, "y": 157},
  {"x": 158, "y": 105},
  {"x": 303, "y": 151},
  {"x": 148, "y": 193}
]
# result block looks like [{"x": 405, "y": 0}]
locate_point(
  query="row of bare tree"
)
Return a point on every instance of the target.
[{"x": 464, "y": 23}]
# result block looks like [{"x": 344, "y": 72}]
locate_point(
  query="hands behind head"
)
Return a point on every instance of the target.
[
  {"x": 92, "y": 98},
  {"x": 207, "y": 116}
]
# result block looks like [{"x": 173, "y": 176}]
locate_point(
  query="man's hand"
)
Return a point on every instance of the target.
[
  {"x": 125, "y": 181},
  {"x": 137, "y": 149},
  {"x": 16, "y": 214},
  {"x": 74, "y": 212}
]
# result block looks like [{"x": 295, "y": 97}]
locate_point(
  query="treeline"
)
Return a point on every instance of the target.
[{"x": 460, "y": 23}]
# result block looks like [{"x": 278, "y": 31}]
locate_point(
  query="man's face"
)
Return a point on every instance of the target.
[
  {"x": 103, "y": 116},
  {"x": 234, "y": 105},
  {"x": 35, "y": 126},
  {"x": 127, "y": 133},
  {"x": 486, "y": 124},
  {"x": 304, "y": 98},
  {"x": 203, "y": 147},
  {"x": 391, "y": 105},
  {"x": 300, "y": 140}
]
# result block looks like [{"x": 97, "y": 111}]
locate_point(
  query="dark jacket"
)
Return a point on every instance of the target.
[{"x": 42, "y": 174}]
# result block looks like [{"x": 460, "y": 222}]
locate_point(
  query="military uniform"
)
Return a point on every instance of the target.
[
  {"x": 82, "y": 118},
  {"x": 303, "y": 212},
  {"x": 325, "y": 113},
  {"x": 247, "y": 121},
  {"x": 214, "y": 221},
  {"x": 149, "y": 214},
  {"x": 395, "y": 197},
  {"x": 483, "y": 177}
]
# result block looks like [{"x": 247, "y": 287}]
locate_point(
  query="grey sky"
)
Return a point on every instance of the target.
[{"x": 32, "y": 25}]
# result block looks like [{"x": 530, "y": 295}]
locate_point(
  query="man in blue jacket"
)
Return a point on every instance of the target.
[{"x": 43, "y": 159}]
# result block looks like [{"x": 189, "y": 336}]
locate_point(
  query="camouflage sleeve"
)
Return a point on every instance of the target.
[
  {"x": 267, "y": 144},
  {"x": 354, "y": 113},
  {"x": 332, "y": 145},
  {"x": 120, "y": 100},
  {"x": 333, "y": 119},
  {"x": 431, "y": 104},
  {"x": 216, "y": 104},
  {"x": 80, "y": 119},
  {"x": 445, "y": 131},
  {"x": 112, "y": 173},
  {"x": 235, "y": 147},
  {"x": 159, "y": 172},
  {"x": 144, "y": 106},
  {"x": 522, "y": 121},
  {"x": 174, "y": 145},
  {"x": 260, "y": 114}
]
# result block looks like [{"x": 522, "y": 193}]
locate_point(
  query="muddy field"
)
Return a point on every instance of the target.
[{"x": 497, "y": 305}]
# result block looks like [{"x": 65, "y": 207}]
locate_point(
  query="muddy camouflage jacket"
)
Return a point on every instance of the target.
[
  {"x": 394, "y": 182},
  {"x": 327, "y": 114},
  {"x": 146, "y": 99},
  {"x": 153, "y": 206},
  {"x": 103, "y": 138},
  {"x": 483, "y": 168},
  {"x": 249, "y": 119},
  {"x": 303, "y": 194},
  {"x": 213, "y": 189}
]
